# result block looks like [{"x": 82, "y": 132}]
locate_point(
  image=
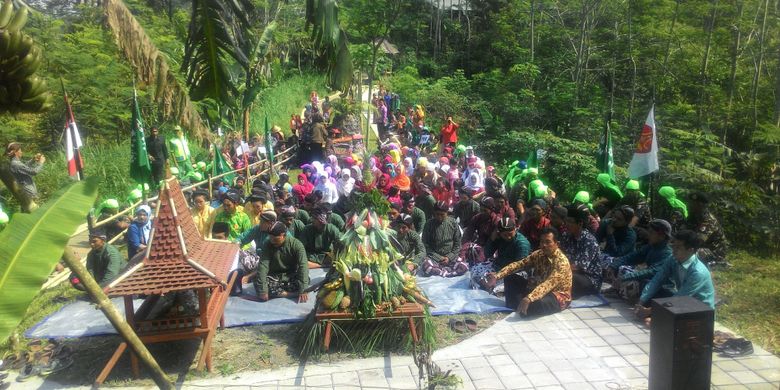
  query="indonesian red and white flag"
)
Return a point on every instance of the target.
[
  {"x": 72, "y": 144},
  {"x": 645, "y": 160}
]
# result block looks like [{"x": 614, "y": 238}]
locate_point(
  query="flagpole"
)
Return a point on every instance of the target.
[{"x": 69, "y": 129}]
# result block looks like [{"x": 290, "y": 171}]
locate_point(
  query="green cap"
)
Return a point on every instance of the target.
[
  {"x": 540, "y": 191},
  {"x": 603, "y": 178},
  {"x": 196, "y": 176},
  {"x": 145, "y": 187},
  {"x": 201, "y": 165},
  {"x": 174, "y": 171},
  {"x": 534, "y": 184},
  {"x": 533, "y": 171},
  {"x": 582, "y": 197},
  {"x": 632, "y": 185}
]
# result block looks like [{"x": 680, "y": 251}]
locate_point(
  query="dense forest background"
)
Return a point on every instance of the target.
[{"x": 517, "y": 75}]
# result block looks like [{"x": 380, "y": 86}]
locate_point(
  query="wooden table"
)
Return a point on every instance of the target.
[{"x": 409, "y": 311}]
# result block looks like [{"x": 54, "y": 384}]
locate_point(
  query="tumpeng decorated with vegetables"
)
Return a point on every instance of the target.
[{"x": 366, "y": 278}]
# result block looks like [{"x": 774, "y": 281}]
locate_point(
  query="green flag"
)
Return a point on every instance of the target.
[
  {"x": 604, "y": 161},
  {"x": 140, "y": 168},
  {"x": 269, "y": 151},
  {"x": 531, "y": 161},
  {"x": 221, "y": 166}
]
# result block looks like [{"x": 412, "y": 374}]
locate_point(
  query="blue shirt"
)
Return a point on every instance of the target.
[
  {"x": 654, "y": 256},
  {"x": 691, "y": 278}
]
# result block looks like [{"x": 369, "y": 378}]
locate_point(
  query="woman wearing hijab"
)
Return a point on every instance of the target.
[
  {"x": 401, "y": 180},
  {"x": 330, "y": 193},
  {"x": 303, "y": 188},
  {"x": 138, "y": 232},
  {"x": 345, "y": 183},
  {"x": 474, "y": 183},
  {"x": 333, "y": 163},
  {"x": 384, "y": 183}
]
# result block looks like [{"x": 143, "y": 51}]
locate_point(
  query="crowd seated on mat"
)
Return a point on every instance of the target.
[{"x": 453, "y": 214}]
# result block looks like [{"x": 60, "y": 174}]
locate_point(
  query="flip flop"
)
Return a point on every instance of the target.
[
  {"x": 55, "y": 365},
  {"x": 471, "y": 324},
  {"x": 28, "y": 371},
  {"x": 457, "y": 326}
]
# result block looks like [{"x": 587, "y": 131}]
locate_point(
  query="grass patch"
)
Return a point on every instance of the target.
[
  {"x": 751, "y": 295},
  {"x": 287, "y": 97}
]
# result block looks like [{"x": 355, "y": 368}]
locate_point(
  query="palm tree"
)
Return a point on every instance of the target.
[{"x": 330, "y": 42}]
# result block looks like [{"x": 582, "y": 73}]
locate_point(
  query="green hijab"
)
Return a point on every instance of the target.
[
  {"x": 670, "y": 195},
  {"x": 605, "y": 180}
]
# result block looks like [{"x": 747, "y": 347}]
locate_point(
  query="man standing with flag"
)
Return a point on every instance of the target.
[
  {"x": 140, "y": 168},
  {"x": 72, "y": 142}
]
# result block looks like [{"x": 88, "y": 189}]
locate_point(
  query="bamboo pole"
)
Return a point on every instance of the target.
[{"x": 119, "y": 323}]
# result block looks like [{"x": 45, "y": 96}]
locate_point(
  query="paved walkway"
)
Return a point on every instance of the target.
[{"x": 598, "y": 348}]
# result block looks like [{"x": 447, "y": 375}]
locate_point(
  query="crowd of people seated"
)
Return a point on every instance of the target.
[{"x": 453, "y": 215}]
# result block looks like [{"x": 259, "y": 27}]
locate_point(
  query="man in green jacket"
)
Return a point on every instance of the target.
[
  {"x": 104, "y": 262},
  {"x": 283, "y": 269},
  {"x": 408, "y": 242},
  {"x": 320, "y": 239},
  {"x": 689, "y": 275}
]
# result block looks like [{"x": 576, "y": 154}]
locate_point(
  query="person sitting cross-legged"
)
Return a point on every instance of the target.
[
  {"x": 408, "y": 242},
  {"x": 689, "y": 275},
  {"x": 441, "y": 236},
  {"x": 582, "y": 250},
  {"x": 630, "y": 272},
  {"x": 548, "y": 291},
  {"x": 320, "y": 239},
  {"x": 104, "y": 262},
  {"x": 506, "y": 246},
  {"x": 283, "y": 269}
]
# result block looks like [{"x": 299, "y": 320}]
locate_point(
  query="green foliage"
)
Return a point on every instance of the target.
[
  {"x": 330, "y": 42},
  {"x": 33, "y": 243},
  {"x": 372, "y": 200},
  {"x": 84, "y": 55}
]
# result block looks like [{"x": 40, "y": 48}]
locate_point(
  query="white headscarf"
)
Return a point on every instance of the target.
[
  {"x": 345, "y": 184},
  {"x": 474, "y": 182},
  {"x": 330, "y": 193}
]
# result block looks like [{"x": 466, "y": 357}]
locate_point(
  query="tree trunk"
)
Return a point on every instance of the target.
[
  {"x": 633, "y": 65},
  {"x": 116, "y": 319},
  {"x": 758, "y": 67},
  {"x": 533, "y": 22},
  {"x": 735, "y": 52},
  {"x": 777, "y": 90},
  {"x": 669, "y": 42},
  {"x": 708, "y": 28}
]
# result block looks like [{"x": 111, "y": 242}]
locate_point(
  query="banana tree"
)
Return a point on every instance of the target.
[
  {"x": 330, "y": 42},
  {"x": 214, "y": 44}
]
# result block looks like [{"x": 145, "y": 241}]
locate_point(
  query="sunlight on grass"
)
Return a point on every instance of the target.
[
  {"x": 286, "y": 98},
  {"x": 751, "y": 297}
]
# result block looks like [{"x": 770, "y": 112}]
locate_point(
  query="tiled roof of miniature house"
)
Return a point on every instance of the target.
[{"x": 178, "y": 258}]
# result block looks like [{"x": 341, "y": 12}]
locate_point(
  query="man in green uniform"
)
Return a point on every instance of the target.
[
  {"x": 104, "y": 262},
  {"x": 407, "y": 242},
  {"x": 283, "y": 270},
  {"x": 320, "y": 239}
]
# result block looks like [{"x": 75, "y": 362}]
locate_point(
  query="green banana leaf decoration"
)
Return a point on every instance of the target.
[{"x": 32, "y": 244}]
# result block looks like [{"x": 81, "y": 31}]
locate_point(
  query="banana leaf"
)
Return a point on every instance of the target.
[{"x": 32, "y": 244}]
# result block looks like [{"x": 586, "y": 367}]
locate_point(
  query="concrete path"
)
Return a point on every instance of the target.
[{"x": 598, "y": 348}]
